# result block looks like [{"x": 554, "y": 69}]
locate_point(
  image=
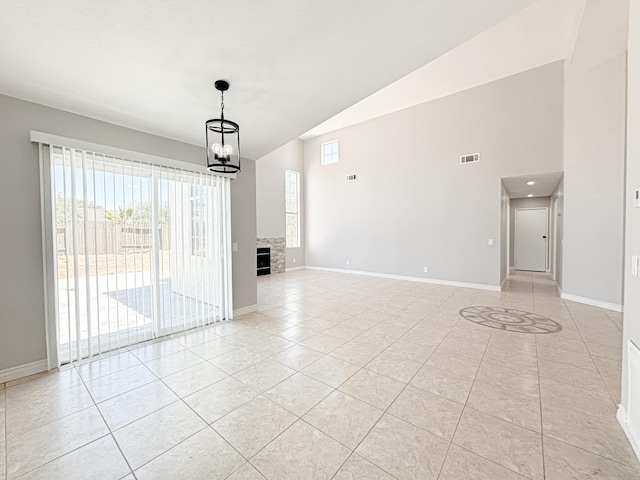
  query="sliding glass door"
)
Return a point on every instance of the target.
[{"x": 140, "y": 250}]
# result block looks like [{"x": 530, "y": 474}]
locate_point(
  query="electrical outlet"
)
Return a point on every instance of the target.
[
  {"x": 425, "y": 269},
  {"x": 347, "y": 263},
  {"x": 490, "y": 242},
  {"x": 294, "y": 260},
  {"x": 234, "y": 247},
  {"x": 634, "y": 265}
]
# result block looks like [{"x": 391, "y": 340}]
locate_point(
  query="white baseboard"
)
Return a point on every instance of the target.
[
  {"x": 20, "y": 371},
  {"x": 622, "y": 417},
  {"x": 293, "y": 269},
  {"x": 477, "y": 286},
  {"x": 245, "y": 310},
  {"x": 590, "y": 301}
]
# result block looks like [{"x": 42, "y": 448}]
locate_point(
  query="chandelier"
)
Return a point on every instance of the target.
[{"x": 223, "y": 139}]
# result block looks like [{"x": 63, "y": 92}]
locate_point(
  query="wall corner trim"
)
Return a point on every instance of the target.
[
  {"x": 477, "y": 286},
  {"x": 623, "y": 420},
  {"x": 293, "y": 269},
  {"x": 503, "y": 282},
  {"x": 25, "y": 370},
  {"x": 594, "y": 303},
  {"x": 245, "y": 310}
]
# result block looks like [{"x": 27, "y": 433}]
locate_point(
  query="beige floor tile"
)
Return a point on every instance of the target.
[
  {"x": 194, "y": 337},
  {"x": 297, "y": 357},
  {"x": 526, "y": 363},
  {"x": 106, "y": 365},
  {"x": 443, "y": 383},
  {"x": 594, "y": 401},
  {"x": 509, "y": 379},
  {"x": 270, "y": 345},
  {"x": 600, "y": 435},
  {"x": 330, "y": 370},
  {"x": 462, "y": 464},
  {"x": 302, "y": 452},
  {"x": 155, "y": 350},
  {"x": 574, "y": 359},
  {"x": 456, "y": 365},
  {"x": 344, "y": 418},
  {"x": 250, "y": 427},
  {"x": 43, "y": 383},
  {"x": 410, "y": 351},
  {"x": 403, "y": 450},
  {"x": 462, "y": 346},
  {"x": 118, "y": 383},
  {"x": 374, "y": 339},
  {"x": 613, "y": 352},
  {"x": 297, "y": 333},
  {"x": 565, "y": 462},
  {"x": 264, "y": 375},
  {"x": 509, "y": 445},
  {"x": 572, "y": 375},
  {"x": 203, "y": 456},
  {"x": 174, "y": 362},
  {"x": 343, "y": 331},
  {"x": 356, "y": 353},
  {"x": 216, "y": 400},
  {"x": 25, "y": 413},
  {"x": 427, "y": 411},
  {"x": 522, "y": 410},
  {"x": 145, "y": 439},
  {"x": 394, "y": 367},
  {"x": 190, "y": 380},
  {"x": 100, "y": 459},
  {"x": 246, "y": 472},
  {"x": 323, "y": 343},
  {"x": 135, "y": 404},
  {"x": 237, "y": 360},
  {"x": 35, "y": 447},
  {"x": 214, "y": 348},
  {"x": 357, "y": 467},
  {"x": 298, "y": 393},
  {"x": 372, "y": 388}
]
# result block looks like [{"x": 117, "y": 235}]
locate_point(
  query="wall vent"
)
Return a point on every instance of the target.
[
  {"x": 348, "y": 178},
  {"x": 471, "y": 158}
]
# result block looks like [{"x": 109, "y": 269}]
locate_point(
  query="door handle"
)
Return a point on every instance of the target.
[{"x": 544, "y": 236}]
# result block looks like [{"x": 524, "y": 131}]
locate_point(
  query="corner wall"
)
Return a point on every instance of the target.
[
  {"x": 22, "y": 326},
  {"x": 270, "y": 208},
  {"x": 594, "y": 157},
  {"x": 413, "y": 204}
]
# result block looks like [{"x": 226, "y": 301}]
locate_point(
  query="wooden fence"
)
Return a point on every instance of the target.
[{"x": 109, "y": 237}]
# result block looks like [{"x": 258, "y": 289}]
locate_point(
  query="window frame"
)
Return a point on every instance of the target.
[
  {"x": 334, "y": 157},
  {"x": 287, "y": 212}
]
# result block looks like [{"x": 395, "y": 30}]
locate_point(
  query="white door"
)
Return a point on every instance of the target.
[{"x": 531, "y": 239}]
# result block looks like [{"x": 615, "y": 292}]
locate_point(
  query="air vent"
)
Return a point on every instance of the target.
[
  {"x": 471, "y": 158},
  {"x": 348, "y": 178}
]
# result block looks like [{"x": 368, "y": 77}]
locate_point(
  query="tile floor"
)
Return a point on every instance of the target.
[{"x": 338, "y": 377}]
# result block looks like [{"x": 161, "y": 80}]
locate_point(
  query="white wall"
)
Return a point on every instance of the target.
[
  {"x": 594, "y": 156},
  {"x": 22, "y": 328},
  {"x": 631, "y": 331},
  {"x": 522, "y": 203},
  {"x": 413, "y": 204},
  {"x": 270, "y": 205}
]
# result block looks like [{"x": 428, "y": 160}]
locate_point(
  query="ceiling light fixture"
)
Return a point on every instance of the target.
[
  {"x": 223, "y": 139},
  {"x": 530, "y": 195},
  {"x": 531, "y": 182}
]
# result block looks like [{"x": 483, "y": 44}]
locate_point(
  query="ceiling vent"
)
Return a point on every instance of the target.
[
  {"x": 349, "y": 178},
  {"x": 471, "y": 158}
]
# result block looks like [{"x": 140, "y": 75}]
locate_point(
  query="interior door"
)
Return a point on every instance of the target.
[{"x": 531, "y": 239}]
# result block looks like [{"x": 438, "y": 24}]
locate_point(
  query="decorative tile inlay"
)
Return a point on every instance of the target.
[{"x": 510, "y": 319}]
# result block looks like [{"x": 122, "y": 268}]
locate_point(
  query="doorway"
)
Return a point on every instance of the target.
[{"x": 531, "y": 239}]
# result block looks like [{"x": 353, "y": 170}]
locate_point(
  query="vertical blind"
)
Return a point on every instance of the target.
[{"x": 139, "y": 250}]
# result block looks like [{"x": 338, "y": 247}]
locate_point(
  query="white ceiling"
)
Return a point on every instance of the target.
[
  {"x": 542, "y": 33},
  {"x": 292, "y": 64},
  {"x": 544, "y": 186}
]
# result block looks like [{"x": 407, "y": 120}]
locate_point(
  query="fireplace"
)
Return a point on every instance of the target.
[{"x": 264, "y": 260}]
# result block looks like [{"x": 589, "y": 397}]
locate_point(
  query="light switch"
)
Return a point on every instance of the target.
[
  {"x": 490, "y": 242},
  {"x": 234, "y": 247},
  {"x": 636, "y": 198},
  {"x": 634, "y": 265}
]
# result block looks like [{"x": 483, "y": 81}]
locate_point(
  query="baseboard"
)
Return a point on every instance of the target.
[
  {"x": 293, "y": 269},
  {"x": 590, "y": 301},
  {"x": 245, "y": 310},
  {"x": 20, "y": 371},
  {"x": 622, "y": 417},
  {"x": 558, "y": 289},
  {"x": 477, "y": 286}
]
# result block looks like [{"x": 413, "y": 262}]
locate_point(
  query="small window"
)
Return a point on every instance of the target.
[
  {"x": 198, "y": 221},
  {"x": 329, "y": 152},
  {"x": 292, "y": 208}
]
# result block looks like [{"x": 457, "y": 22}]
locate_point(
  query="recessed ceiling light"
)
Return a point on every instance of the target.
[
  {"x": 530, "y": 195},
  {"x": 531, "y": 182}
]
